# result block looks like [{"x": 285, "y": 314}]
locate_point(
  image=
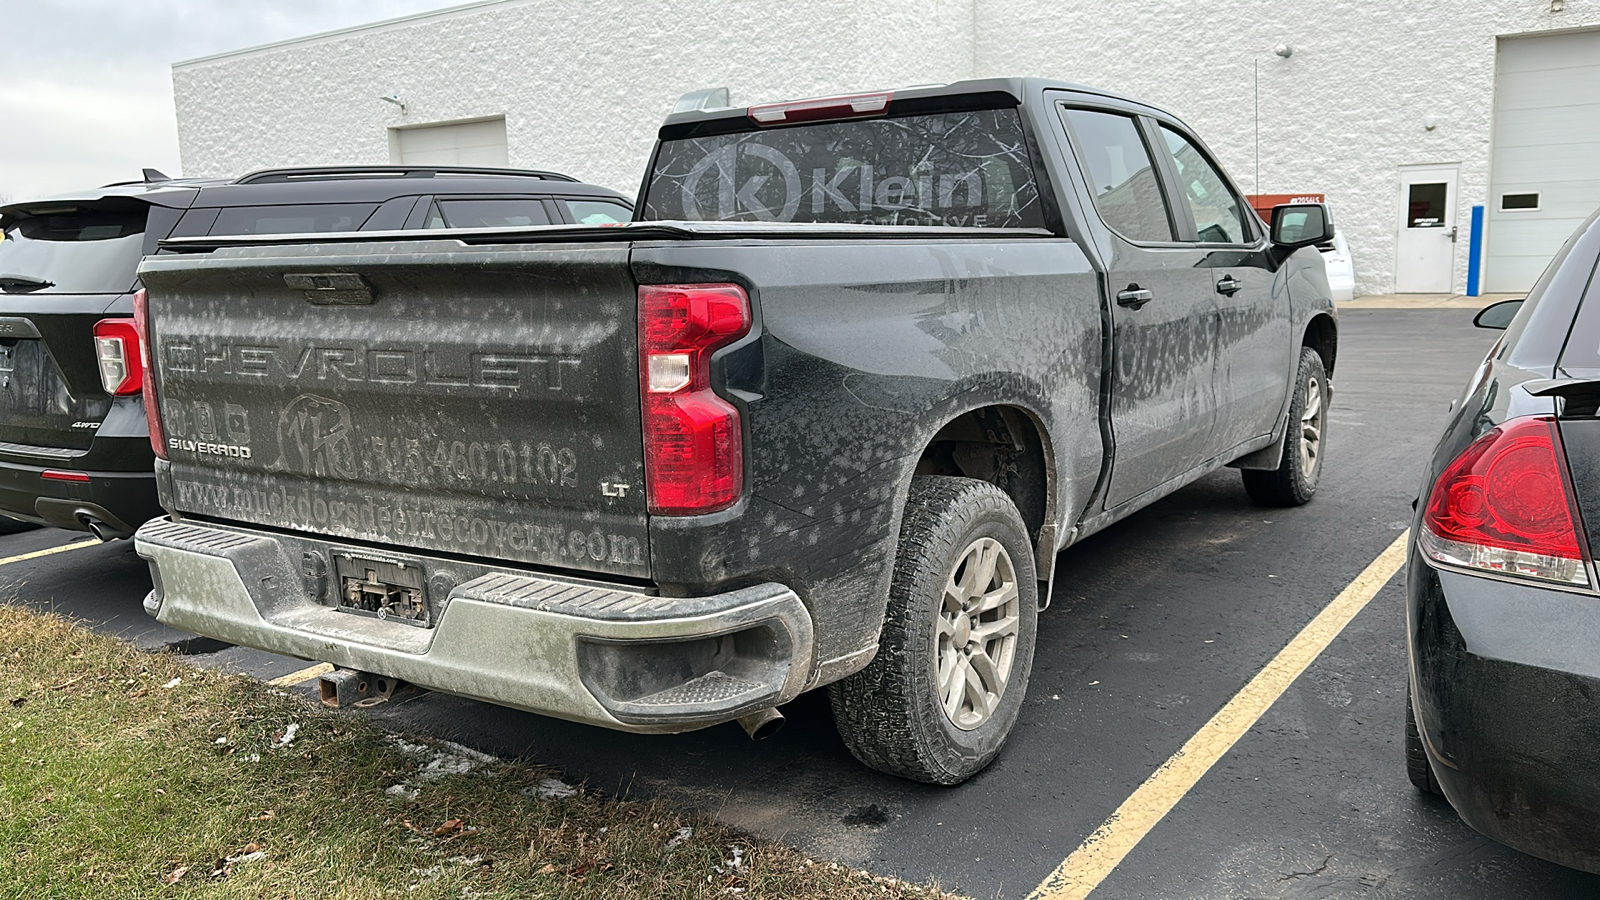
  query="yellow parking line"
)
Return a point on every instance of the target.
[
  {"x": 302, "y": 676},
  {"x": 38, "y": 553},
  {"x": 1097, "y": 856}
]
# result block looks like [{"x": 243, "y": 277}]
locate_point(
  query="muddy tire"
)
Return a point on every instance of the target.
[
  {"x": 1294, "y": 481},
  {"x": 938, "y": 701},
  {"x": 1418, "y": 768}
]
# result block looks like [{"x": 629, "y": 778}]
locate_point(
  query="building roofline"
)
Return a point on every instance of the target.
[{"x": 369, "y": 28}]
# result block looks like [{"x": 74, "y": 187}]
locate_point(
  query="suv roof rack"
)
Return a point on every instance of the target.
[{"x": 314, "y": 173}]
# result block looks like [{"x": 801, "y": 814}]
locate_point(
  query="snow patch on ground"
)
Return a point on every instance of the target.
[
  {"x": 550, "y": 789},
  {"x": 287, "y": 738},
  {"x": 683, "y": 834},
  {"x": 444, "y": 758}
]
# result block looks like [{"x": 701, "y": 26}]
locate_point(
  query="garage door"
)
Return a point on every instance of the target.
[
  {"x": 1546, "y": 170},
  {"x": 481, "y": 143}
]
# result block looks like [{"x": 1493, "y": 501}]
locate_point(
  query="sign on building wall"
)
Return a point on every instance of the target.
[{"x": 1263, "y": 203}]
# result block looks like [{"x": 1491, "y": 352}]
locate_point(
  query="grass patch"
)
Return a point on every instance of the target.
[{"x": 130, "y": 774}]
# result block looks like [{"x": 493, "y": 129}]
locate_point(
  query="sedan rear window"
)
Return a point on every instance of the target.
[
  {"x": 311, "y": 218},
  {"x": 953, "y": 169},
  {"x": 72, "y": 251}
]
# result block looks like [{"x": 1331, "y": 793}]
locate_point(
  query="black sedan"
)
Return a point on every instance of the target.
[{"x": 1503, "y": 611}]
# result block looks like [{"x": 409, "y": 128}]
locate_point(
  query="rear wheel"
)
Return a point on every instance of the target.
[
  {"x": 1294, "y": 481},
  {"x": 938, "y": 701},
  {"x": 9, "y": 525},
  {"x": 1418, "y": 768}
]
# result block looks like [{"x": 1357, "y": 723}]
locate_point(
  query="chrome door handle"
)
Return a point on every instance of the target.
[
  {"x": 1134, "y": 297},
  {"x": 1228, "y": 286},
  {"x": 1454, "y": 229}
]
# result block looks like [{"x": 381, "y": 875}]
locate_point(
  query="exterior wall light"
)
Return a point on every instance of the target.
[{"x": 395, "y": 99}]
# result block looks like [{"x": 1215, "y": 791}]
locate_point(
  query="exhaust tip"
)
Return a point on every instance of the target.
[
  {"x": 98, "y": 528},
  {"x": 762, "y": 724}
]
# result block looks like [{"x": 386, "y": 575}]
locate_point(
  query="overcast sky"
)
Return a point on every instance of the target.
[{"x": 86, "y": 97}]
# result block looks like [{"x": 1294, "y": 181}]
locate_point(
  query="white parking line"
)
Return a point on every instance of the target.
[
  {"x": 1104, "y": 850},
  {"x": 38, "y": 553}
]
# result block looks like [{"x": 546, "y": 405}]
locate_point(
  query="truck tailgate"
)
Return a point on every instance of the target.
[{"x": 481, "y": 401}]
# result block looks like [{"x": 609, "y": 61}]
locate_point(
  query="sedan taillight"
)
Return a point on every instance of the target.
[
  {"x": 693, "y": 446},
  {"x": 1505, "y": 505},
  {"x": 116, "y": 349}
]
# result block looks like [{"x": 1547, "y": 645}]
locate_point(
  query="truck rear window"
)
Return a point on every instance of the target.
[
  {"x": 72, "y": 251},
  {"x": 952, "y": 169}
]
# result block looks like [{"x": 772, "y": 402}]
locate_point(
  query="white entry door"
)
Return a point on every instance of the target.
[{"x": 1425, "y": 257}]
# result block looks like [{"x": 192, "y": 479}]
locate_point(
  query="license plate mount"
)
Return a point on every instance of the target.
[{"x": 387, "y": 589}]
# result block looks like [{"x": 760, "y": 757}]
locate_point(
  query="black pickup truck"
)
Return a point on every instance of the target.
[{"x": 821, "y": 415}]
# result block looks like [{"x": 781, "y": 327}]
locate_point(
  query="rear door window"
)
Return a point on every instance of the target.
[
  {"x": 1122, "y": 176},
  {"x": 509, "y": 212},
  {"x": 598, "y": 212},
  {"x": 72, "y": 250},
  {"x": 968, "y": 168},
  {"x": 309, "y": 218}
]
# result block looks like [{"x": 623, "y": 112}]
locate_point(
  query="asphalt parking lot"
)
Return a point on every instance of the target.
[{"x": 1157, "y": 623}]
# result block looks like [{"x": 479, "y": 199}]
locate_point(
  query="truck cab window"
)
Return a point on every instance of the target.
[
  {"x": 952, "y": 169},
  {"x": 1127, "y": 191},
  {"x": 1217, "y": 212}
]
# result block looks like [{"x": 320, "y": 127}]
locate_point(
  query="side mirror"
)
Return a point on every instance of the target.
[
  {"x": 1498, "y": 315},
  {"x": 1296, "y": 225}
]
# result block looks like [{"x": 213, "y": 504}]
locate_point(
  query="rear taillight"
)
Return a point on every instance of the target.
[
  {"x": 152, "y": 406},
  {"x": 693, "y": 447},
  {"x": 1505, "y": 505},
  {"x": 116, "y": 349}
]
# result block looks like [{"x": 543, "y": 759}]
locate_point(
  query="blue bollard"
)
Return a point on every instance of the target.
[{"x": 1475, "y": 252}]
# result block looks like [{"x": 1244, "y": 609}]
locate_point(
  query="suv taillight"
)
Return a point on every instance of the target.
[
  {"x": 1505, "y": 505},
  {"x": 152, "y": 408},
  {"x": 693, "y": 446},
  {"x": 116, "y": 349}
]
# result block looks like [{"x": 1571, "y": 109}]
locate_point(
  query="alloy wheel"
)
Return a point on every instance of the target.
[
  {"x": 977, "y": 633},
  {"x": 1311, "y": 428}
]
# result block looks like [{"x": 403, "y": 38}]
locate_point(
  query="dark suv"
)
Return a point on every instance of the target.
[{"x": 74, "y": 445}]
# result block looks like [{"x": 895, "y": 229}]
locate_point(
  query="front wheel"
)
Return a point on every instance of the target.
[
  {"x": 938, "y": 701},
  {"x": 1294, "y": 481}
]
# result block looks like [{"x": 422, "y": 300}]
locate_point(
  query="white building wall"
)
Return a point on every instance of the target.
[
  {"x": 1340, "y": 115},
  {"x": 583, "y": 86}
]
